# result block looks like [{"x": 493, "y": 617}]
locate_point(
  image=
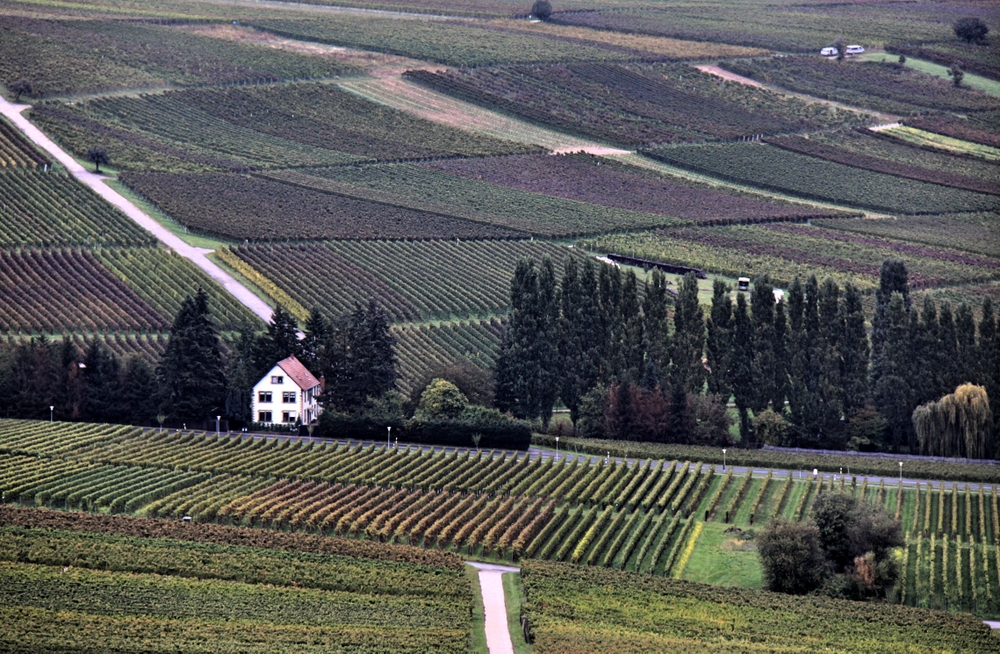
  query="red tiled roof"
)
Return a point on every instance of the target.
[{"x": 298, "y": 373}]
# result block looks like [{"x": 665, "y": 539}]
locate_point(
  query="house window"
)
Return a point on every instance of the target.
[
  {"x": 263, "y": 416},
  {"x": 277, "y": 379},
  {"x": 288, "y": 416},
  {"x": 264, "y": 397},
  {"x": 288, "y": 397}
]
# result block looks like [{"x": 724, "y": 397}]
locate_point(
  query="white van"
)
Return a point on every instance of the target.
[
  {"x": 829, "y": 52},
  {"x": 854, "y": 50}
]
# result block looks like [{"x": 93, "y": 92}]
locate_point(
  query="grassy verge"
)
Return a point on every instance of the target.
[
  {"x": 513, "y": 593},
  {"x": 478, "y": 644},
  {"x": 984, "y": 84}
]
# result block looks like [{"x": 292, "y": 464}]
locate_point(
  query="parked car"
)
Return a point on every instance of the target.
[
  {"x": 829, "y": 52},
  {"x": 854, "y": 50}
]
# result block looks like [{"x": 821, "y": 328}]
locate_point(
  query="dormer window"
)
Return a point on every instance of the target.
[{"x": 277, "y": 379}]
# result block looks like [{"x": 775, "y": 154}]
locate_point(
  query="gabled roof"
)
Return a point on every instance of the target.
[{"x": 298, "y": 373}]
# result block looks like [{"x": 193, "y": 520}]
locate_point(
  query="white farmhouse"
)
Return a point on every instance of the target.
[{"x": 286, "y": 394}]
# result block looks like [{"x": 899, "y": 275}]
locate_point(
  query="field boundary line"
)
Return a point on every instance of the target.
[{"x": 197, "y": 256}]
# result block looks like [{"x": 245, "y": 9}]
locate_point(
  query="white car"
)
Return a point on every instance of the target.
[
  {"x": 829, "y": 52},
  {"x": 854, "y": 50}
]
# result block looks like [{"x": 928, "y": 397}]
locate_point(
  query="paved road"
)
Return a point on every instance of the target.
[
  {"x": 169, "y": 239},
  {"x": 497, "y": 630}
]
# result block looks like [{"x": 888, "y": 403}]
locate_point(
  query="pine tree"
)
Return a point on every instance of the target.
[
  {"x": 190, "y": 374},
  {"x": 316, "y": 333},
  {"x": 719, "y": 341},
  {"x": 102, "y": 385},
  {"x": 138, "y": 391},
  {"x": 241, "y": 375},
  {"x": 579, "y": 333},
  {"x": 278, "y": 342}
]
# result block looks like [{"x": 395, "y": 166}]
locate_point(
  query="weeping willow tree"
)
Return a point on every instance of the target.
[{"x": 956, "y": 425}]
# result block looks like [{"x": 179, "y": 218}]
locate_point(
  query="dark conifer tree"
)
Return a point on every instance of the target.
[
  {"x": 629, "y": 339},
  {"x": 578, "y": 333},
  {"x": 656, "y": 329},
  {"x": 317, "y": 331},
  {"x": 854, "y": 352},
  {"x": 742, "y": 366},
  {"x": 190, "y": 375},
  {"x": 242, "y": 374},
  {"x": 988, "y": 349},
  {"x": 138, "y": 391},
  {"x": 719, "y": 341},
  {"x": 102, "y": 385},
  {"x": 966, "y": 364},
  {"x": 947, "y": 352},
  {"x": 892, "y": 391},
  {"x": 779, "y": 387},
  {"x": 893, "y": 278},
  {"x": 279, "y": 341},
  {"x": 830, "y": 414},
  {"x": 762, "y": 313},
  {"x": 687, "y": 367}
]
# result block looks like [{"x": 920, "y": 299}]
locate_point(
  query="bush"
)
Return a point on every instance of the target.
[
  {"x": 772, "y": 428},
  {"x": 542, "y": 9},
  {"x": 441, "y": 399},
  {"x": 791, "y": 556},
  {"x": 492, "y": 429},
  {"x": 971, "y": 30}
]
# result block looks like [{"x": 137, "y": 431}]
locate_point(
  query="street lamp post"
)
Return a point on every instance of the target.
[
  {"x": 388, "y": 437},
  {"x": 51, "y": 409},
  {"x": 901, "y": 474},
  {"x": 217, "y": 419},
  {"x": 557, "y": 447},
  {"x": 723, "y": 459}
]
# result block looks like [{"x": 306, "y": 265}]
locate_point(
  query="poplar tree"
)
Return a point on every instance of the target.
[
  {"x": 656, "y": 327},
  {"x": 526, "y": 368},
  {"x": 779, "y": 387},
  {"x": 688, "y": 347},
  {"x": 966, "y": 364},
  {"x": 892, "y": 392},
  {"x": 579, "y": 334},
  {"x": 893, "y": 278},
  {"x": 762, "y": 312},
  {"x": 719, "y": 341},
  {"x": 988, "y": 351},
  {"x": 854, "y": 351},
  {"x": 742, "y": 365},
  {"x": 190, "y": 373}
]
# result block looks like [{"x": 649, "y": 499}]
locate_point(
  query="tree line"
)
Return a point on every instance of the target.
[
  {"x": 198, "y": 377},
  {"x": 632, "y": 360}
]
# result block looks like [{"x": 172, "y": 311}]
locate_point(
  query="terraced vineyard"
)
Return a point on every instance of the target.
[
  {"x": 70, "y": 56},
  {"x": 425, "y": 189},
  {"x": 254, "y": 127},
  {"x": 125, "y": 583},
  {"x": 428, "y": 346},
  {"x": 624, "y": 105},
  {"x": 808, "y": 177},
  {"x": 49, "y": 208},
  {"x": 787, "y": 251},
  {"x": 412, "y": 280},
  {"x": 646, "y": 516}
]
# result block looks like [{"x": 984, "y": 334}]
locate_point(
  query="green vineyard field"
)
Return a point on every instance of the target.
[
  {"x": 648, "y": 516},
  {"x": 50, "y": 208},
  {"x": 412, "y": 280},
  {"x": 808, "y": 177},
  {"x": 786, "y": 251}
]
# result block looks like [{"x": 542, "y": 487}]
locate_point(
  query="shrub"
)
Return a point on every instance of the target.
[
  {"x": 792, "y": 557},
  {"x": 442, "y": 399},
  {"x": 542, "y": 9},
  {"x": 970, "y": 30}
]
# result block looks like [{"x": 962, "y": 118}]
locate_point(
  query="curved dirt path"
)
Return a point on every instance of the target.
[
  {"x": 497, "y": 630},
  {"x": 198, "y": 256}
]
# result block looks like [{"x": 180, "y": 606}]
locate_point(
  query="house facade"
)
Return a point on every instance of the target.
[{"x": 287, "y": 394}]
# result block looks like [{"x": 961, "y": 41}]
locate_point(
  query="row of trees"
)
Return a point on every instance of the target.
[
  {"x": 197, "y": 377},
  {"x": 800, "y": 368}
]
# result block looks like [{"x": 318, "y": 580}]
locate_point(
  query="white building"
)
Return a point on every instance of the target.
[{"x": 286, "y": 394}]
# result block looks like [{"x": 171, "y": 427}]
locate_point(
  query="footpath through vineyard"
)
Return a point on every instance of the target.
[{"x": 198, "y": 256}]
